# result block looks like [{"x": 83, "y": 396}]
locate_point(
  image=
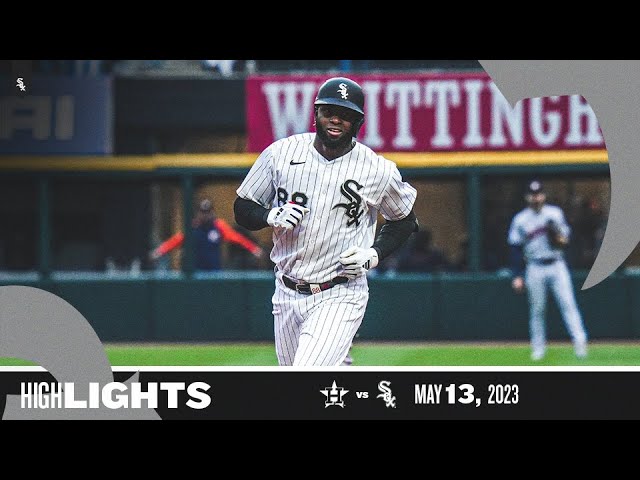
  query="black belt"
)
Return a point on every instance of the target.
[
  {"x": 544, "y": 261},
  {"x": 309, "y": 288}
]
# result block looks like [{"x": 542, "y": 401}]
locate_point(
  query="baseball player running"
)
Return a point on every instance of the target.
[
  {"x": 537, "y": 236},
  {"x": 321, "y": 193}
]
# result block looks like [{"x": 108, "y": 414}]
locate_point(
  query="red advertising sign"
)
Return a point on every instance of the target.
[{"x": 428, "y": 112}]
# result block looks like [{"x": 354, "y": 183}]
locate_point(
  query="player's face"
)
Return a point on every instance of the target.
[
  {"x": 536, "y": 200},
  {"x": 334, "y": 125}
]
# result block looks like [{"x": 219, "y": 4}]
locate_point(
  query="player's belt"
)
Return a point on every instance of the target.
[
  {"x": 310, "y": 288},
  {"x": 544, "y": 261}
]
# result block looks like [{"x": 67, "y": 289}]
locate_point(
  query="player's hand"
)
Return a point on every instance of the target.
[
  {"x": 288, "y": 216},
  {"x": 555, "y": 236},
  {"x": 258, "y": 252},
  {"x": 518, "y": 284},
  {"x": 153, "y": 255},
  {"x": 356, "y": 261}
]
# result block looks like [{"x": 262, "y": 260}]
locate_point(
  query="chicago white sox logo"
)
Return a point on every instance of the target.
[
  {"x": 352, "y": 208},
  {"x": 342, "y": 88}
]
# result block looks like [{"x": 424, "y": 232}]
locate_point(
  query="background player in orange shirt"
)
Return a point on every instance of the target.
[{"x": 209, "y": 232}]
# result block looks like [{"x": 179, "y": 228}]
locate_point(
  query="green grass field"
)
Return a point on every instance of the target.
[{"x": 370, "y": 354}]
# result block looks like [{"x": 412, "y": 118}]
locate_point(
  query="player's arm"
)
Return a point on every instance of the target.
[
  {"x": 558, "y": 231},
  {"x": 516, "y": 259},
  {"x": 256, "y": 190},
  {"x": 230, "y": 235},
  {"x": 253, "y": 216},
  {"x": 557, "y": 239},
  {"x": 395, "y": 203},
  {"x": 250, "y": 214},
  {"x": 516, "y": 256},
  {"x": 393, "y": 234},
  {"x": 165, "y": 247}
]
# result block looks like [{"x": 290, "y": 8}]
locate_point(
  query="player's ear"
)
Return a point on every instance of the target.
[{"x": 359, "y": 125}]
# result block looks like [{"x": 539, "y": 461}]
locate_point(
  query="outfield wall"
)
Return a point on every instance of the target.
[{"x": 237, "y": 307}]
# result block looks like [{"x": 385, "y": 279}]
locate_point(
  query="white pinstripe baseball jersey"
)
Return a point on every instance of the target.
[{"x": 344, "y": 197}]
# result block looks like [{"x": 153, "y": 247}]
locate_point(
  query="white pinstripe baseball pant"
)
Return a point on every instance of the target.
[{"x": 317, "y": 330}]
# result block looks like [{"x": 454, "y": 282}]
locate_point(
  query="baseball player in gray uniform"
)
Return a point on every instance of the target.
[
  {"x": 537, "y": 236},
  {"x": 321, "y": 193}
]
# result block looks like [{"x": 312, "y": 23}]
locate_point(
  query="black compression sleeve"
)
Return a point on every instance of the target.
[
  {"x": 517, "y": 260},
  {"x": 250, "y": 215},
  {"x": 392, "y": 235}
]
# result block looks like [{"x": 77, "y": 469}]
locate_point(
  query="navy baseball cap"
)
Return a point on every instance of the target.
[
  {"x": 535, "y": 186},
  {"x": 205, "y": 205}
]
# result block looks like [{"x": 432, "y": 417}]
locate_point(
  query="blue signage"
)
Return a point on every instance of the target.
[{"x": 56, "y": 115}]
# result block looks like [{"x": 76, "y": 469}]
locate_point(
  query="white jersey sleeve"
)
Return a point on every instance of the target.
[
  {"x": 557, "y": 216},
  {"x": 258, "y": 185},
  {"x": 517, "y": 235},
  {"x": 398, "y": 197}
]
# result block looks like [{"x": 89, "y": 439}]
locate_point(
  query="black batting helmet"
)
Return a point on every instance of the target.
[{"x": 343, "y": 92}]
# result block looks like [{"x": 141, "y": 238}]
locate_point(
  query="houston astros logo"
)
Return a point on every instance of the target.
[
  {"x": 342, "y": 88},
  {"x": 352, "y": 208},
  {"x": 334, "y": 395}
]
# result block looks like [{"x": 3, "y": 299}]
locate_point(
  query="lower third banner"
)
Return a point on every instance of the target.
[{"x": 356, "y": 393}]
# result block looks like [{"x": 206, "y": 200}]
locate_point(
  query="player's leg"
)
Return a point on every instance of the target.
[
  {"x": 535, "y": 283},
  {"x": 563, "y": 291},
  {"x": 328, "y": 331},
  {"x": 348, "y": 360},
  {"x": 286, "y": 323}
]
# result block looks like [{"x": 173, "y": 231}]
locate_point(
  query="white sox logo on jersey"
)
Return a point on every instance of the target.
[
  {"x": 342, "y": 88},
  {"x": 352, "y": 209}
]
